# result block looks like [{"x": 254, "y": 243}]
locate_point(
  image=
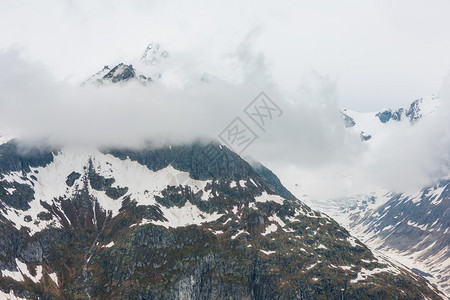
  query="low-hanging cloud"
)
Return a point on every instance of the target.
[
  {"x": 36, "y": 107},
  {"x": 308, "y": 143},
  {"x": 406, "y": 160},
  {"x": 417, "y": 156}
]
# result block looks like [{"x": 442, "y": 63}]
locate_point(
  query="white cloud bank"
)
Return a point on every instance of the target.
[
  {"x": 307, "y": 145},
  {"x": 406, "y": 160},
  {"x": 36, "y": 107}
]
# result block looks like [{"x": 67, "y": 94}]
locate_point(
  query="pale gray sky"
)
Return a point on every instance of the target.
[{"x": 380, "y": 53}]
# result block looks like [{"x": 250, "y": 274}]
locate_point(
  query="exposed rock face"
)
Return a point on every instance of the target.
[
  {"x": 174, "y": 223},
  {"x": 414, "y": 113},
  {"x": 348, "y": 121},
  {"x": 120, "y": 72},
  {"x": 389, "y": 114},
  {"x": 364, "y": 136}
]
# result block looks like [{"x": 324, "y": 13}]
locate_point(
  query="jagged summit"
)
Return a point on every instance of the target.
[
  {"x": 120, "y": 73},
  {"x": 141, "y": 70}
]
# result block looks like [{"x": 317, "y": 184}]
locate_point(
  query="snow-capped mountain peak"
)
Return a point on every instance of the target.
[
  {"x": 153, "y": 54},
  {"x": 387, "y": 121},
  {"x": 139, "y": 70}
]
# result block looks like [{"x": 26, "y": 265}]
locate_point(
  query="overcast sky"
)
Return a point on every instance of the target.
[{"x": 380, "y": 53}]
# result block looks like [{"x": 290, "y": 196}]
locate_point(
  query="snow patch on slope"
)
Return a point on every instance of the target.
[
  {"x": 23, "y": 271},
  {"x": 10, "y": 296},
  {"x": 54, "y": 277},
  {"x": 269, "y": 229},
  {"x": 365, "y": 273},
  {"x": 265, "y": 197},
  {"x": 187, "y": 215}
]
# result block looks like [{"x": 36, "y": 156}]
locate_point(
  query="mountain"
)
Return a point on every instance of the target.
[
  {"x": 413, "y": 225},
  {"x": 383, "y": 123},
  {"x": 192, "y": 221},
  {"x": 122, "y": 72},
  {"x": 412, "y": 228}
]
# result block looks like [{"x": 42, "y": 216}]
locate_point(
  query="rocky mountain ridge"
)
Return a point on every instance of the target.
[{"x": 172, "y": 223}]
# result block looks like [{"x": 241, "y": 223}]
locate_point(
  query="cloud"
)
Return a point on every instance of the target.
[
  {"x": 406, "y": 159},
  {"x": 38, "y": 108},
  {"x": 415, "y": 157}
]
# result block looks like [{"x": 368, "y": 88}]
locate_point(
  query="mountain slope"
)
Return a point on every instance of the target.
[
  {"x": 416, "y": 226},
  {"x": 173, "y": 223},
  {"x": 412, "y": 228}
]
